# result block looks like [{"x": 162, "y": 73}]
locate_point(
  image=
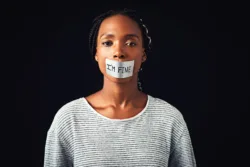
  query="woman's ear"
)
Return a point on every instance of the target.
[
  {"x": 96, "y": 58},
  {"x": 144, "y": 57}
]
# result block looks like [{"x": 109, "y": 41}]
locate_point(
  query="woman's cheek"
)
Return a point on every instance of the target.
[{"x": 137, "y": 66}]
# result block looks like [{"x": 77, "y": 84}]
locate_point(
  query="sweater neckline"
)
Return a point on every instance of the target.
[{"x": 119, "y": 120}]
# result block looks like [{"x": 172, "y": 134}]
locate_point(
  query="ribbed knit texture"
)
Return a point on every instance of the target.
[{"x": 79, "y": 136}]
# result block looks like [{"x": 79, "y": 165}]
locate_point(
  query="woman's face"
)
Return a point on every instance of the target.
[{"x": 119, "y": 38}]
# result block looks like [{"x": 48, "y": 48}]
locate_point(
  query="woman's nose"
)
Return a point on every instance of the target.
[
  {"x": 119, "y": 51},
  {"x": 120, "y": 56}
]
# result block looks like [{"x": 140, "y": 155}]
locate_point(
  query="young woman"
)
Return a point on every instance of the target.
[{"x": 119, "y": 125}]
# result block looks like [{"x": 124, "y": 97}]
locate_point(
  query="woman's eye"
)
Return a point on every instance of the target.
[
  {"x": 108, "y": 43},
  {"x": 131, "y": 43}
]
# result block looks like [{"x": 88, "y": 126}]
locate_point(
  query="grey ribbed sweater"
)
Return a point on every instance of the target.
[{"x": 79, "y": 136}]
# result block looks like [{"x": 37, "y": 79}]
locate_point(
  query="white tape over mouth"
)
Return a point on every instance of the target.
[{"x": 119, "y": 69}]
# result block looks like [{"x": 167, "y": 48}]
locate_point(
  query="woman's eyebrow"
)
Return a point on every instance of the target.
[
  {"x": 132, "y": 36},
  {"x": 108, "y": 35}
]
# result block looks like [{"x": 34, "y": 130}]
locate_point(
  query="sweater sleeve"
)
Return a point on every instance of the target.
[
  {"x": 182, "y": 154},
  {"x": 57, "y": 146}
]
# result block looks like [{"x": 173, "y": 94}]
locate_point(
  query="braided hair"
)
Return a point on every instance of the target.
[{"x": 126, "y": 12}]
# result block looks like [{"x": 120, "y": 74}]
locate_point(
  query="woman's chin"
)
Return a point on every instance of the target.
[{"x": 119, "y": 80}]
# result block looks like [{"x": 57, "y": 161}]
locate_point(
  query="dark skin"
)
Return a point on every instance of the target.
[{"x": 119, "y": 38}]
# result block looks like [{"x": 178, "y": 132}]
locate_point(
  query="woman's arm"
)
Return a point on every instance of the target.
[
  {"x": 182, "y": 154},
  {"x": 56, "y": 154}
]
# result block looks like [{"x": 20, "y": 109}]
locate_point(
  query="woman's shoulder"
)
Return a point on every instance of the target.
[
  {"x": 69, "y": 111},
  {"x": 76, "y": 107},
  {"x": 165, "y": 109},
  {"x": 71, "y": 106}
]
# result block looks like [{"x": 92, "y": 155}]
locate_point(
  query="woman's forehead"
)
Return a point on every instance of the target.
[{"x": 118, "y": 25}]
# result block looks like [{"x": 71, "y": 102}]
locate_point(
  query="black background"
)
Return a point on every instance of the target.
[{"x": 198, "y": 64}]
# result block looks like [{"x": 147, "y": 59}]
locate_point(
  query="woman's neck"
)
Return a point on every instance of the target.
[{"x": 120, "y": 95}]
